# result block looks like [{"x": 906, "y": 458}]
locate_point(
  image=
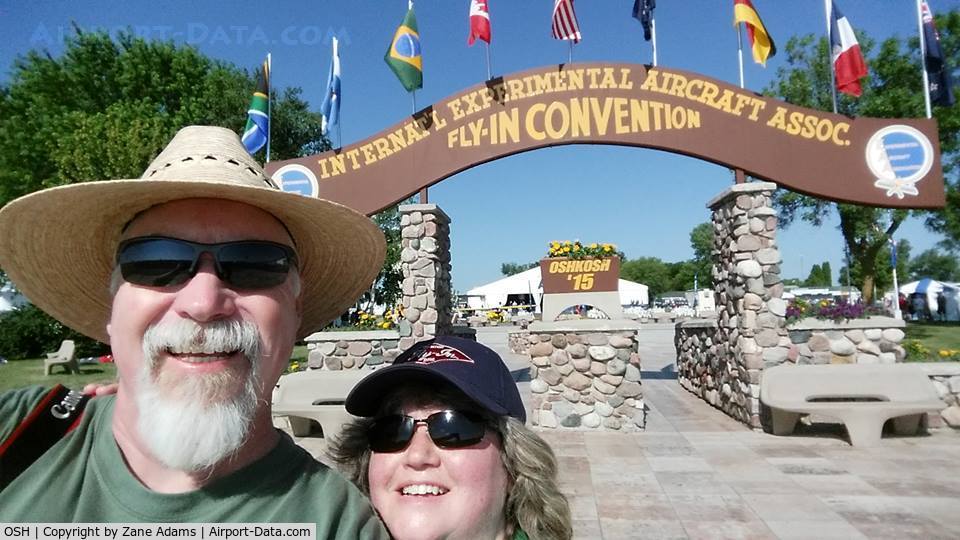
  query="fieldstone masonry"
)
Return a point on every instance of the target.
[
  {"x": 425, "y": 263},
  {"x": 352, "y": 350},
  {"x": 945, "y": 377},
  {"x": 858, "y": 341},
  {"x": 519, "y": 342},
  {"x": 582, "y": 378},
  {"x": 701, "y": 368},
  {"x": 750, "y": 310}
]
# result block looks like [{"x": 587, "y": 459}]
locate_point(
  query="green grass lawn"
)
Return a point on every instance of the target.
[
  {"x": 20, "y": 373},
  {"x": 932, "y": 337}
]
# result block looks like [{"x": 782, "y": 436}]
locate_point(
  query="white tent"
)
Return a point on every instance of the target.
[
  {"x": 495, "y": 294},
  {"x": 10, "y": 298},
  {"x": 931, "y": 288}
]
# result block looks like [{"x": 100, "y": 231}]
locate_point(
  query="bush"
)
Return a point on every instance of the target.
[
  {"x": 916, "y": 350},
  {"x": 28, "y": 332}
]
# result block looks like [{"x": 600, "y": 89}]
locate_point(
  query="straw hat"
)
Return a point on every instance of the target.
[{"x": 58, "y": 245}]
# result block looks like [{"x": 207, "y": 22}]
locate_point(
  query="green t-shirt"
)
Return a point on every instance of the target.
[{"x": 83, "y": 478}]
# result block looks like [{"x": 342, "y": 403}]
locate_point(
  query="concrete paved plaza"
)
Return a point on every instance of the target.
[{"x": 696, "y": 473}]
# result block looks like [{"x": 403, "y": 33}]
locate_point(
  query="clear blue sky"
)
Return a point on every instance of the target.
[{"x": 645, "y": 201}]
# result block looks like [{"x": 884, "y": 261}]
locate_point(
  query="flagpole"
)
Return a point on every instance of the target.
[
  {"x": 423, "y": 192},
  {"x": 570, "y": 58},
  {"x": 269, "y": 75},
  {"x": 739, "y": 177},
  {"x": 923, "y": 61},
  {"x": 740, "y": 53},
  {"x": 653, "y": 38},
  {"x": 488, "y": 60},
  {"x": 828, "y": 9},
  {"x": 896, "y": 286}
]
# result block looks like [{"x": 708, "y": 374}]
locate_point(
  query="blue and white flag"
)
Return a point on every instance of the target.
[{"x": 330, "y": 108}]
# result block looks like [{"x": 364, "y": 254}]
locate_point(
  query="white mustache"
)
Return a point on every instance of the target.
[{"x": 190, "y": 337}]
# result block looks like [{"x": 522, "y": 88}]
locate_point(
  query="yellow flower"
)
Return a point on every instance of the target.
[
  {"x": 944, "y": 353},
  {"x": 576, "y": 247},
  {"x": 385, "y": 325},
  {"x": 593, "y": 245},
  {"x": 606, "y": 247},
  {"x": 566, "y": 250}
]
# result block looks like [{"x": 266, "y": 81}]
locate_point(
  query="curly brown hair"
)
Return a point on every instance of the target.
[{"x": 534, "y": 501}]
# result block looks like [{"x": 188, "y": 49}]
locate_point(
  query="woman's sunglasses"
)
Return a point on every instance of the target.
[
  {"x": 158, "y": 261},
  {"x": 447, "y": 429}
]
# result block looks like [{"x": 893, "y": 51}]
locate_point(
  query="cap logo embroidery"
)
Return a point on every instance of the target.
[{"x": 437, "y": 352}]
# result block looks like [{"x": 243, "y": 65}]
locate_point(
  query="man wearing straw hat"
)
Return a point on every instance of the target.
[{"x": 200, "y": 275}]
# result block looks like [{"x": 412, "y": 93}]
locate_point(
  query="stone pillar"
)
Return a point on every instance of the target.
[
  {"x": 425, "y": 262},
  {"x": 751, "y": 321},
  {"x": 586, "y": 375}
]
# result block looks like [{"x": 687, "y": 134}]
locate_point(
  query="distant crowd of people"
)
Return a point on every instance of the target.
[{"x": 917, "y": 308}]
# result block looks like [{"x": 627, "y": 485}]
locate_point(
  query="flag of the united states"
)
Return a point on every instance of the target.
[{"x": 565, "y": 21}]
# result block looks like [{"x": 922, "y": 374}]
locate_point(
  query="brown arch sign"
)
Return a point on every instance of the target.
[{"x": 880, "y": 162}]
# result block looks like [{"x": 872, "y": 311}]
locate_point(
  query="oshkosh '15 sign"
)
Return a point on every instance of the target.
[{"x": 580, "y": 275}]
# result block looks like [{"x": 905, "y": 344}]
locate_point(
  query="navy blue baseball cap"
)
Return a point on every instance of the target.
[{"x": 474, "y": 369}]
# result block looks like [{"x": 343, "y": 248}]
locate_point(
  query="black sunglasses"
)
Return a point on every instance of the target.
[
  {"x": 447, "y": 429},
  {"x": 159, "y": 261}
]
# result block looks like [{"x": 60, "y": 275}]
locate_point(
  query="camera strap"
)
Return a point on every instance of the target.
[{"x": 53, "y": 417}]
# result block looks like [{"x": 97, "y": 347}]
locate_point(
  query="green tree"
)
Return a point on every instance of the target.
[
  {"x": 701, "y": 240},
  {"x": 813, "y": 278},
  {"x": 820, "y": 276},
  {"x": 27, "y": 332},
  {"x": 106, "y": 106},
  {"x": 893, "y": 89},
  {"x": 682, "y": 275},
  {"x": 884, "y": 270},
  {"x": 387, "y": 287},
  {"x": 650, "y": 271},
  {"x": 936, "y": 265},
  {"x": 512, "y": 268}
]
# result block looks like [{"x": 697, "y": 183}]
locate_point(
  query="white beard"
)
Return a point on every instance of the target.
[{"x": 193, "y": 423}]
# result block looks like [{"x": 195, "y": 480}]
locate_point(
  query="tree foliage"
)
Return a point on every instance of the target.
[
  {"x": 387, "y": 287},
  {"x": 701, "y": 240},
  {"x": 650, "y": 271},
  {"x": 934, "y": 264},
  {"x": 27, "y": 332},
  {"x": 512, "y": 268},
  {"x": 893, "y": 89},
  {"x": 107, "y": 106},
  {"x": 820, "y": 276},
  {"x": 884, "y": 270},
  {"x": 660, "y": 276}
]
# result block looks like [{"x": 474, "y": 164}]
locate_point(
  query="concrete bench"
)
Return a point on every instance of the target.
[
  {"x": 863, "y": 397},
  {"x": 316, "y": 396}
]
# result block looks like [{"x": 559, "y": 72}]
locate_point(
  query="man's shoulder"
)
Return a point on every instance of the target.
[
  {"x": 16, "y": 404},
  {"x": 26, "y": 393},
  {"x": 306, "y": 468},
  {"x": 310, "y": 490}
]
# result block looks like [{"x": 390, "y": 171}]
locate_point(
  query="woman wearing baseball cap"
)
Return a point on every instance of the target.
[{"x": 443, "y": 452}]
